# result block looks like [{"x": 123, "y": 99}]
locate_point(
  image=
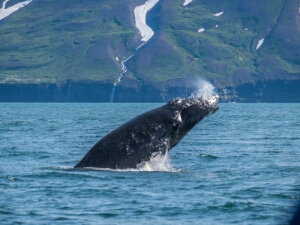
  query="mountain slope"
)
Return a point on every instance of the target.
[
  {"x": 52, "y": 41},
  {"x": 226, "y": 51},
  {"x": 85, "y": 41}
]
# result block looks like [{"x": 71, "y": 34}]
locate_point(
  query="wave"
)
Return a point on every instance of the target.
[{"x": 208, "y": 156}]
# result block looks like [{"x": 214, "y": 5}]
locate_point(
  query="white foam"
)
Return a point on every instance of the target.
[
  {"x": 186, "y": 2},
  {"x": 260, "y": 42},
  {"x": 201, "y": 30},
  {"x": 64, "y": 167},
  {"x": 218, "y": 14},
  {"x": 117, "y": 59},
  {"x": 158, "y": 162},
  {"x": 6, "y": 12},
  {"x": 11, "y": 179},
  {"x": 140, "y": 19}
]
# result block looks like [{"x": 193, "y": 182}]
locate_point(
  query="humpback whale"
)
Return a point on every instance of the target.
[{"x": 149, "y": 134}]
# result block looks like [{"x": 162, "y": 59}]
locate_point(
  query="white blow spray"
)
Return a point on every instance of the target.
[{"x": 205, "y": 90}]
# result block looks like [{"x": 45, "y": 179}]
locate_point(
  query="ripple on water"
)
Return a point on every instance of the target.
[
  {"x": 239, "y": 166},
  {"x": 208, "y": 156}
]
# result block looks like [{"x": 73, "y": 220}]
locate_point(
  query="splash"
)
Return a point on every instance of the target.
[
  {"x": 205, "y": 90},
  {"x": 158, "y": 162}
]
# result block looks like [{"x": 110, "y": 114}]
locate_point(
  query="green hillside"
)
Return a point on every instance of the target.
[
  {"x": 54, "y": 41},
  {"x": 226, "y": 50},
  {"x": 57, "y": 41}
]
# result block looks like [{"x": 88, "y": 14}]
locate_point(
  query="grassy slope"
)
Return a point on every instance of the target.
[
  {"x": 51, "y": 41},
  {"x": 223, "y": 52}
]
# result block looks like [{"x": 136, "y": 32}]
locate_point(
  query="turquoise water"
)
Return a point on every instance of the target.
[{"x": 238, "y": 166}]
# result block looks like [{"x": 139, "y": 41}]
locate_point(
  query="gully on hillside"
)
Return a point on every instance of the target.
[{"x": 146, "y": 32}]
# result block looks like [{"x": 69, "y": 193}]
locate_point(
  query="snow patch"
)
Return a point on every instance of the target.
[
  {"x": 260, "y": 42},
  {"x": 201, "y": 30},
  {"x": 6, "y": 12},
  {"x": 218, "y": 14},
  {"x": 140, "y": 19},
  {"x": 186, "y": 2}
]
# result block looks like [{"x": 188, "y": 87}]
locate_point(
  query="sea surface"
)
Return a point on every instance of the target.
[{"x": 240, "y": 165}]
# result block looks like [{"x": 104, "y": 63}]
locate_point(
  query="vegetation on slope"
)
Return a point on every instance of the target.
[
  {"x": 226, "y": 50},
  {"x": 53, "y": 41}
]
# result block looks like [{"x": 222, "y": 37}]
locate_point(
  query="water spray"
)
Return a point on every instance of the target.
[{"x": 205, "y": 90}]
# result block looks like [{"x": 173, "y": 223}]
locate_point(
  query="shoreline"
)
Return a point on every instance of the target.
[{"x": 266, "y": 91}]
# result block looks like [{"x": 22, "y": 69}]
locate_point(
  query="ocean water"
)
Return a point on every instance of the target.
[{"x": 238, "y": 166}]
